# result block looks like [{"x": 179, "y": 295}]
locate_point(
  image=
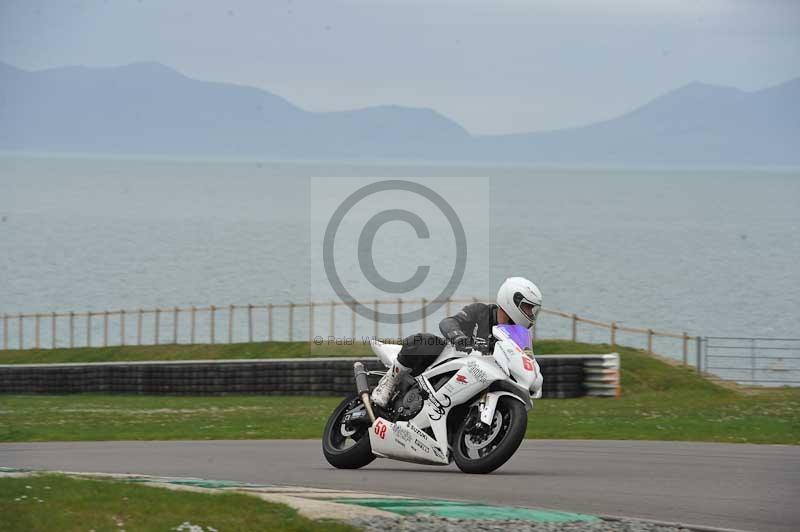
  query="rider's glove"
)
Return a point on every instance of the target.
[{"x": 463, "y": 342}]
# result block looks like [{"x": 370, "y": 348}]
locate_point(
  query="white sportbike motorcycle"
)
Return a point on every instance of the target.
[{"x": 467, "y": 407}]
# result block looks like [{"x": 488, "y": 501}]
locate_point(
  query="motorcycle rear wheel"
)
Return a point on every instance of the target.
[
  {"x": 336, "y": 435},
  {"x": 484, "y": 451}
]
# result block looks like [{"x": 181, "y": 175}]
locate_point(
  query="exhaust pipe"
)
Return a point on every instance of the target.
[{"x": 363, "y": 389}]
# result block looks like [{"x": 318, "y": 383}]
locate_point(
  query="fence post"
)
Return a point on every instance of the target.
[
  {"x": 230, "y": 323},
  {"x": 193, "y": 325},
  {"x": 291, "y": 322},
  {"x": 175, "y": 312},
  {"x": 574, "y": 328},
  {"x": 649, "y": 341},
  {"x": 699, "y": 354},
  {"x": 36, "y": 331},
  {"x": 310, "y": 321},
  {"x": 72, "y": 329},
  {"x": 158, "y": 326},
  {"x": 753, "y": 359},
  {"x": 269, "y": 322},
  {"x": 685, "y": 349},
  {"x": 332, "y": 326},
  {"x": 88, "y": 329},
  {"x": 139, "y": 319},
  {"x": 400, "y": 318},
  {"x": 613, "y": 334},
  {"x": 122, "y": 327},
  {"x": 424, "y": 316},
  {"x": 375, "y": 320},
  {"x": 5, "y": 331},
  {"x": 53, "y": 333},
  {"x": 353, "y": 321},
  {"x": 105, "y": 329},
  {"x": 449, "y": 307},
  {"x": 20, "y": 331},
  {"x": 213, "y": 331},
  {"x": 250, "y": 323}
]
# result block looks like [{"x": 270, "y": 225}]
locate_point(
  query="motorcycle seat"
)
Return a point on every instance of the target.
[{"x": 387, "y": 353}]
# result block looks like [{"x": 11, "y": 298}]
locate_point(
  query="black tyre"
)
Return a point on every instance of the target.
[
  {"x": 483, "y": 451},
  {"x": 346, "y": 445}
]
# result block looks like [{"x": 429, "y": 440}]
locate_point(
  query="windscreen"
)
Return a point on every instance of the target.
[{"x": 519, "y": 334}]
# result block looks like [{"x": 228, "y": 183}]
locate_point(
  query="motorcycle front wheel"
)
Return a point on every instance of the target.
[
  {"x": 345, "y": 444},
  {"x": 480, "y": 449}
]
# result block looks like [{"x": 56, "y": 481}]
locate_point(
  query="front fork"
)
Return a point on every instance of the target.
[{"x": 486, "y": 407}]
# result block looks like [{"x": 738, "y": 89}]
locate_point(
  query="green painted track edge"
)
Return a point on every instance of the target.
[{"x": 467, "y": 510}]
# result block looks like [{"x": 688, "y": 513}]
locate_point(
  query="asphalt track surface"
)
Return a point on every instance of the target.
[{"x": 748, "y": 487}]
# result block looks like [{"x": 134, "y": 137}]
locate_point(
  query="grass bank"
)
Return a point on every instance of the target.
[
  {"x": 659, "y": 402},
  {"x": 130, "y": 353},
  {"x": 55, "y": 502}
]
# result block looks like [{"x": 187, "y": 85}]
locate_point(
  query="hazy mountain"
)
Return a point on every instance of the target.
[
  {"x": 151, "y": 109},
  {"x": 697, "y": 123}
]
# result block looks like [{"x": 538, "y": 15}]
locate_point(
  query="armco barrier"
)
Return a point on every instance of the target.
[
  {"x": 600, "y": 374},
  {"x": 564, "y": 376}
]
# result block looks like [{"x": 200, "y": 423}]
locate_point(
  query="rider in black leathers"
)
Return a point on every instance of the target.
[
  {"x": 474, "y": 321},
  {"x": 518, "y": 300}
]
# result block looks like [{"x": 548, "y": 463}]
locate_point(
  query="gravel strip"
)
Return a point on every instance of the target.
[{"x": 421, "y": 523}]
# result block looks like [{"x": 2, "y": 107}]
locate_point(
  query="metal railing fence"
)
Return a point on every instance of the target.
[
  {"x": 291, "y": 322},
  {"x": 754, "y": 361}
]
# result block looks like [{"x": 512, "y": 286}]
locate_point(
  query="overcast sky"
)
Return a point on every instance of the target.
[{"x": 494, "y": 66}]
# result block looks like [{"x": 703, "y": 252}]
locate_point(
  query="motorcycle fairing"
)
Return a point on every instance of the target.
[
  {"x": 405, "y": 441},
  {"x": 524, "y": 368},
  {"x": 473, "y": 374}
]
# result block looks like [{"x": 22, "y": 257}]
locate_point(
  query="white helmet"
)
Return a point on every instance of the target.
[{"x": 520, "y": 299}]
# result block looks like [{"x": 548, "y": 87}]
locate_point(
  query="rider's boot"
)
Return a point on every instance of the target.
[{"x": 385, "y": 388}]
